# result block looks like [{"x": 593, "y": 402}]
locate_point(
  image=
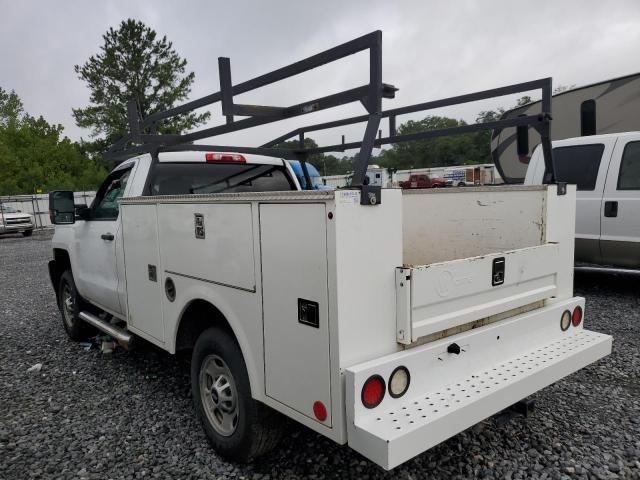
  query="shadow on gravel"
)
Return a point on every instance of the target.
[{"x": 605, "y": 283}]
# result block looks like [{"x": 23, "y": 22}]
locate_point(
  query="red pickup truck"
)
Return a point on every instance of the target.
[{"x": 422, "y": 181}]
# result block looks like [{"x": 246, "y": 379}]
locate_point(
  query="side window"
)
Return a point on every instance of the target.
[
  {"x": 105, "y": 206},
  {"x": 588, "y": 117},
  {"x": 629, "y": 176},
  {"x": 578, "y": 164}
]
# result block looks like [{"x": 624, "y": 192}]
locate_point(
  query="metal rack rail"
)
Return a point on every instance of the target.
[{"x": 143, "y": 136}]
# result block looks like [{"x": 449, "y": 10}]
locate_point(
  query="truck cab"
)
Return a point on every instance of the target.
[
  {"x": 92, "y": 246},
  {"x": 606, "y": 170}
]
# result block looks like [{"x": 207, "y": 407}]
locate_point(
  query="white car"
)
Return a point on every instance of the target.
[{"x": 14, "y": 221}]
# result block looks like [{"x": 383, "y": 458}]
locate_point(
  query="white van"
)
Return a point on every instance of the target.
[{"x": 606, "y": 170}]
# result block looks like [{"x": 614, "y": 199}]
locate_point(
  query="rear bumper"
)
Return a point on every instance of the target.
[{"x": 499, "y": 365}]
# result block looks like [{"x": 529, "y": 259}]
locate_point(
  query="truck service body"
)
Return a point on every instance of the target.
[{"x": 277, "y": 295}]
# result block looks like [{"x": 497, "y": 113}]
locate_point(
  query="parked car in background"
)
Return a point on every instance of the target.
[
  {"x": 15, "y": 221},
  {"x": 423, "y": 181},
  {"x": 314, "y": 175},
  {"x": 606, "y": 170}
]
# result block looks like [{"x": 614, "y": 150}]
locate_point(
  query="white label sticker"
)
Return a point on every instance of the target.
[{"x": 348, "y": 197}]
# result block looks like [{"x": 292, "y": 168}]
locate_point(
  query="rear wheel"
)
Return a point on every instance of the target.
[
  {"x": 27, "y": 233},
  {"x": 70, "y": 304},
  {"x": 238, "y": 427}
]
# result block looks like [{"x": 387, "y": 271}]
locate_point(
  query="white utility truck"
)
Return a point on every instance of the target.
[{"x": 276, "y": 294}]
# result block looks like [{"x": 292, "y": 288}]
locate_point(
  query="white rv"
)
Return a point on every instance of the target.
[{"x": 611, "y": 106}]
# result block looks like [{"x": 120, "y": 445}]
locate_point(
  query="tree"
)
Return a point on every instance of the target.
[
  {"x": 133, "y": 64},
  {"x": 34, "y": 154},
  {"x": 457, "y": 149},
  {"x": 11, "y": 108}
]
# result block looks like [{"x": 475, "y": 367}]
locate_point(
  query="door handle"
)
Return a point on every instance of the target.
[
  {"x": 107, "y": 236},
  {"x": 611, "y": 209}
]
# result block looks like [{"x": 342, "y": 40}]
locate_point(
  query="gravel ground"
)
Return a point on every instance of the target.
[{"x": 129, "y": 414}]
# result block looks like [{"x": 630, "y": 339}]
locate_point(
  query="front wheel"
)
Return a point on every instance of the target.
[
  {"x": 238, "y": 427},
  {"x": 27, "y": 233},
  {"x": 70, "y": 303}
]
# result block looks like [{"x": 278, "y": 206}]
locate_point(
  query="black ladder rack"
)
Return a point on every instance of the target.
[{"x": 143, "y": 136}]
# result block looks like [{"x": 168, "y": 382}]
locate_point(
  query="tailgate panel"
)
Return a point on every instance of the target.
[{"x": 439, "y": 296}]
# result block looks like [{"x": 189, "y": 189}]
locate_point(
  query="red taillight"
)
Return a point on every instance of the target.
[
  {"x": 320, "y": 411},
  {"x": 576, "y": 317},
  {"x": 225, "y": 157},
  {"x": 373, "y": 391}
]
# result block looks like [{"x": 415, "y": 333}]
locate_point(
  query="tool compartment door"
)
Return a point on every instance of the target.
[
  {"x": 295, "y": 302},
  {"x": 143, "y": 271}
]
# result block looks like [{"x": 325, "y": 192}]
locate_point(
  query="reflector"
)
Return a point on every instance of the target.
[{"x": 320, "y": 411}]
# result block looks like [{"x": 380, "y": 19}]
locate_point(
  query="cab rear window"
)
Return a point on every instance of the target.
[{"x": 195, "y": 178}]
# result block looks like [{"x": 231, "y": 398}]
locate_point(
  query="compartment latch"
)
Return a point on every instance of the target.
[{"x": 497, "y": 271}]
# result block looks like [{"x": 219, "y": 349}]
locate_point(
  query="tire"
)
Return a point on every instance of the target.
[
  {"x": 70, "y": 304},
  {"x": 462, "y": 184},
  {"x": 27, "y": 233},
  {"x": 238, "y": 427}
]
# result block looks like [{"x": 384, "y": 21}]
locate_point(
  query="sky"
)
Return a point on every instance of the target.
[{"x": 431, "y": 49}]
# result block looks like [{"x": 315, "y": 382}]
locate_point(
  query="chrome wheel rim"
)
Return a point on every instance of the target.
[
  {"x": 68, "y": 305},
  {"x": 219, "y": 395}
]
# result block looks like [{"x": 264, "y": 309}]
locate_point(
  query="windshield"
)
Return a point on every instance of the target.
[{"x": 8, "y": 209}]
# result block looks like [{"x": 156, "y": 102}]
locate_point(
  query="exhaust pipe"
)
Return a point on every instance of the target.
[{"x": 122, "y": 336}]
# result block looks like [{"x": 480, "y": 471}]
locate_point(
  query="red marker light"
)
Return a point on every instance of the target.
[{"x": 320, "y": 411}]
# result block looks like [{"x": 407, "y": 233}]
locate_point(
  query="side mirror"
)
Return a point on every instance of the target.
[{"x": 61, "y": 208}]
